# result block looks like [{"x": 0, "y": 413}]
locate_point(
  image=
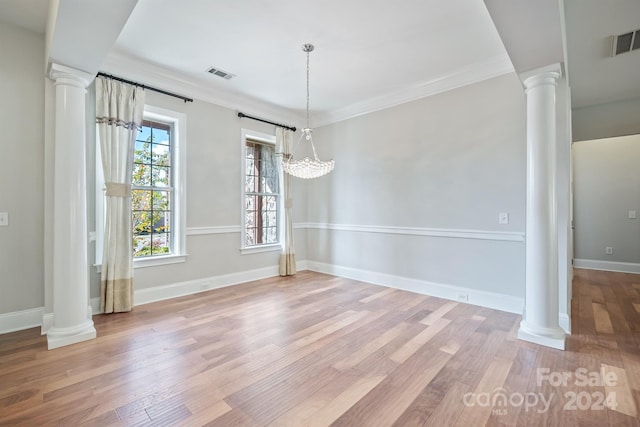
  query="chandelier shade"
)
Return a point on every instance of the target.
[{"x": 307, "y": 168}]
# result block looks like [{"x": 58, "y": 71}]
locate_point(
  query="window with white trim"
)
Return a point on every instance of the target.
[
  {"x": 261, "y": 188},
  {"x": 152, "y": 190},
  {"x": 158, "y": 202}
]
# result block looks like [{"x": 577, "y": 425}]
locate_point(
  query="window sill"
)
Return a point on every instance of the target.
[
  {"x": 158, "y": 260},
  {"x": 152, "y": 261},
  {"x": 262, "y": 248}
]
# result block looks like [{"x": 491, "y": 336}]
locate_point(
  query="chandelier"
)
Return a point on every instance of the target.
[{"x": 307, "y": 168}]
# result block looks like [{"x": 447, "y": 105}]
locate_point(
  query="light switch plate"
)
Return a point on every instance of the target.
[
  {"x": 4, "y": 218},
  {"x": 632, "y": 214}
]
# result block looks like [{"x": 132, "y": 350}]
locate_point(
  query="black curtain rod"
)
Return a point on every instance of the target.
[
  {"x": 241, "y": 115},
  {"x": 164, "y": 92}
]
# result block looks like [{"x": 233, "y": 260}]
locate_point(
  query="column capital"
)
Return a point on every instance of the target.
[
  {"x": 544, "y": 75},
  {"x": 61, "y": 74}
]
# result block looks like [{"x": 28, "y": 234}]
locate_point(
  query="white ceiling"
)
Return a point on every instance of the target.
[
  {"x": 365, "y": 49},
  {"x": 369, "y": 53},
  {"x": 595, "y": 76},
  {"x": 530, "y": 30}
]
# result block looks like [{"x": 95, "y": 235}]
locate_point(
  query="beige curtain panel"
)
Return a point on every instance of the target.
[
  {"x": 284, "y": 145},
  {"x": 119, "y": 109}
]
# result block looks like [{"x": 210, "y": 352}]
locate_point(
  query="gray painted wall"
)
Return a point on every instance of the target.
[
  {"x": 451, "y": 161},
  {"x": 213, "y": 196},
  {"x": 21, "y": 169},
  {"x": 606, "y": 188},
  {"x": 606, "y": 120}
]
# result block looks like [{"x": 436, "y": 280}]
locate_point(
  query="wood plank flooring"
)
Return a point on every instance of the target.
[{"x": 317, "y": 350}]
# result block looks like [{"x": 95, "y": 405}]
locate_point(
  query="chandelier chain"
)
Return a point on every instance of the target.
[
  {"x": 308, "y": 89},
  {"x": 307, "y": 168}
]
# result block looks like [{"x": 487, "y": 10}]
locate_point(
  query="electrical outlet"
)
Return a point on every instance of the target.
[
  {"x": 632, "y": 214},
  {"x": 461, "y": 296},
  {"x": 4, "y": 218},
  {"x": 608, "y": 250},
  {"x": 503, "y": 218}
]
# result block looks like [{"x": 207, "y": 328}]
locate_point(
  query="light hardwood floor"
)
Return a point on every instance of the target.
[{"x": 316, "y": 350}]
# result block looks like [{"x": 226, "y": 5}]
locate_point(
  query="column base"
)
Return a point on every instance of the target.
[
  {"x": 60, "y": 337},
  {"x": 554, "y": 338}
]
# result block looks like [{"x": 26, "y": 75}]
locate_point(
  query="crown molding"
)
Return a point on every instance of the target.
[
  {"x": 474, "y": 73},
  {"x": 126, "y": 66}
]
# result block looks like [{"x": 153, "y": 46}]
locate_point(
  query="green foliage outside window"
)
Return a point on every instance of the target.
[{"x": 152, "y": 192}]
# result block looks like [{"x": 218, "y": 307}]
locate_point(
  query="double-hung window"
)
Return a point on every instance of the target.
[
  {"x": 158, "y": 183},
  {"x": 261, "y": 193},
  {"x": 152, "y": 190}
]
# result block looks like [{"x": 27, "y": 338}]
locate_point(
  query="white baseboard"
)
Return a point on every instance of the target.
[
  {"x": 492, "y": 300},
  {"x": 19, "y": 320},
  {"x": 565, "y": 322},
  {"x": 25, "y": 319},
  {"x": 621, "y": 267},
  {"x": 160, "y": 293},
  {"x": 94, "y": 303},
  {"x": 47, "y": 322}
]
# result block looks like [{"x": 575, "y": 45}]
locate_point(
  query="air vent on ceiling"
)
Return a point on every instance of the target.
[
  {"x": 626, "y": 42},
  {"x": 218, "y": 72}
]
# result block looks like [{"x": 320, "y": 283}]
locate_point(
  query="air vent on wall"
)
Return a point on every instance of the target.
[
  {"x": 218, "y": 72},
  {"x": 626, "y": 42}
]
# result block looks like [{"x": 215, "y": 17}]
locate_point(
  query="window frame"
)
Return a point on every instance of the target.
[
  {"x": 178, "y": 123},
  {"x": 268, "y": 139}
]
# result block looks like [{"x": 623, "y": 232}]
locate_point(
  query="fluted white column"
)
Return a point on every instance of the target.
[
  {"x": 540, "y": 319},
  {"x": 71, "y": 318}
]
